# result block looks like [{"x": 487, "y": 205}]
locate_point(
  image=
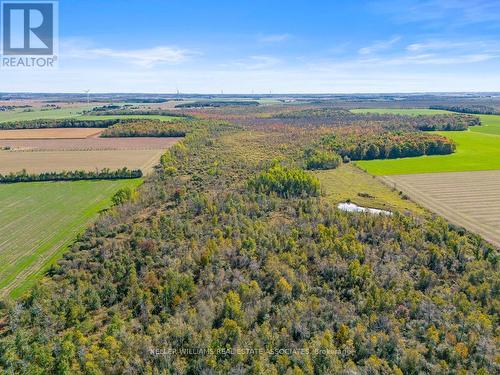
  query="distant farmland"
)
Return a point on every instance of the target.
[{"x": 39, "y": 220}]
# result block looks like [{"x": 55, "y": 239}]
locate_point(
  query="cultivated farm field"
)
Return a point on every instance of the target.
[
  {"x": 469, "y": 199},
  {"x": 89, "y": 144},
  {"x": 59, "y": 161},
  {"x": 52, "y": 133},
  {"x": 39, "y": 220}
]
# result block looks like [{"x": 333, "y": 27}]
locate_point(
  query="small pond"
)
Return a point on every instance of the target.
[{"x": 351, "y": 207}]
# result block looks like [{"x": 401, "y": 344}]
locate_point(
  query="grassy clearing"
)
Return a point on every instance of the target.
[
  {"x": 490, "y": 125},
  {"x": 401, "y": 111},
  {"x": 477, "y": 150},
  {"x": 22, "y": 115},
  {"x": 38, "y": 221},
  {"x": 349, "y": 183}
]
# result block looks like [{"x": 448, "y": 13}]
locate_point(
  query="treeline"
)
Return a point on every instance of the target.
[
  {"x": 103, "y": 174},
  {"x": 219, "y": 103},
  {"x": 473, "y": 109},
  {"x": 387, "y": 145},
  {"x": 103, "y": 108},
  {"x": 59, "y": 123},
  {"x": 139, "y": 112},
  {"x": 444, "y": 122},
  {"x": 147, "y": 128}
]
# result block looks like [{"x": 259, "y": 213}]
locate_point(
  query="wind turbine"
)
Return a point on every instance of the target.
[{"x": 88, "y": 95}]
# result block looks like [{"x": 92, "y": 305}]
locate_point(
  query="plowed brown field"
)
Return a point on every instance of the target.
[
  {"x": 58, "y": 161},
  {"x": 468, "y": 199},
  {"x": 70, "y": 133},
  {"x": 92, "y": 143}
]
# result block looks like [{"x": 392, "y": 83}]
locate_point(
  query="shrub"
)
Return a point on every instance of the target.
[{"x": 321, "y": 159}]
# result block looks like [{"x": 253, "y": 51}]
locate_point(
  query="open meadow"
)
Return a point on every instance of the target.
[{"x": 39, "y": 220}]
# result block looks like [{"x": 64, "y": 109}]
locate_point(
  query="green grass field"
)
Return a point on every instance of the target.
[
  {"x": 477, "y": 149},
  {"x": 22, "y": 115},
  {"x": 490, "y": 125},
  {"x": 39, "y": 220},
  {"x": 71, "y": 113}
]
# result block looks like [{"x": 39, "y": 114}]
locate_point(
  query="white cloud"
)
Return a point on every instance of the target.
[
  {"x": 379, "y": 46},
  {"x": 147, "y": 57},
  {"x": 273, "y": 38}
]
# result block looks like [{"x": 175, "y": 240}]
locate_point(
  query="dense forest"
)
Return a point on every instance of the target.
[
  {"x": 102, "y": 111},
  {"x": 102, "y": 174},
  {"x": 62, "y": 123},
  {"x": 387, "y": 145},
  {"x": 148, "y": 128},
  {"x": 468, "y": 108},
  {"x": 443, "y": 122},
  {"x": 218, "y": 103},
  {"x": 229, "y": 264}
]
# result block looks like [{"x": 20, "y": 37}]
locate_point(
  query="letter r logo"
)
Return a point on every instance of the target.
[{"x": 27, "y": 28}]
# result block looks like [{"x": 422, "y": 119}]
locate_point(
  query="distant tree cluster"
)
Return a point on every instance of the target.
[
  {"x": 332, "y": 113},
  {"x": 445, "y": 122},
  {"x": 388, "y": 145},
  {"x": 286, "y": 182},
  {"x": 316, "y": 158},
  {"x": 104, "y": 108},
  {"x": 60, "y": 123},
  {"x": 147, "y": 128},
  {"x": 469, "y": 108},
  {"x": 218, "y": 103},
  {"x": 138, "y": 112},
  {"x": 103, "y": 174}
]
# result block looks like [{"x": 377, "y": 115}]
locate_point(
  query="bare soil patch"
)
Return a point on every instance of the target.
[
  {"x": 31, "y": 134},
  {"x": 58, "y": 161},
  {"x": 90, "y": 143}
]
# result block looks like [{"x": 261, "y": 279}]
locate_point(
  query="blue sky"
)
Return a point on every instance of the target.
[{"x": 280, "y": 46}]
